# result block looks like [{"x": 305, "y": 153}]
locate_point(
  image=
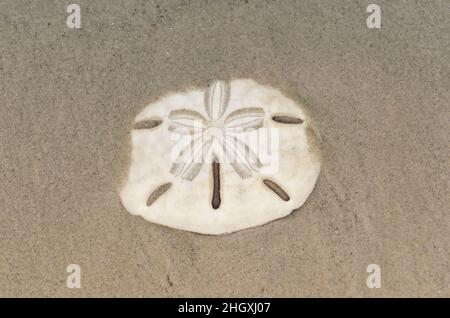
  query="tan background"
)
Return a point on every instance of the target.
[{"x": 379, "y": 98}]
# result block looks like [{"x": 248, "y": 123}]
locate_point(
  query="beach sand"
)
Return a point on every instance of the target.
[{"x": 379, "y": 99}]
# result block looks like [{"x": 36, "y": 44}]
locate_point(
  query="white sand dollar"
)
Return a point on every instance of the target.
[{"x": 221, "y": 159}]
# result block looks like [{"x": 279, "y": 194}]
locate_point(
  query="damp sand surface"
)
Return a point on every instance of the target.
[{"x": 379, "y": 99}]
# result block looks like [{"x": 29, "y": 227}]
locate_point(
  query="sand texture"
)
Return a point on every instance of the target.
[{"x": 379, "y": 98}]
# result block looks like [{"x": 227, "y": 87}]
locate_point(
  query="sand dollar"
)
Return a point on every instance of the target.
[{"x": 221, "y": 159}]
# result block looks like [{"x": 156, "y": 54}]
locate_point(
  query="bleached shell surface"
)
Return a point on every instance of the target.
[{"x": 246, "y": 202}]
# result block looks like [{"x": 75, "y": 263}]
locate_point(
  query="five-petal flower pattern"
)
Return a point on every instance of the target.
[{"x": 219, "y": 135}]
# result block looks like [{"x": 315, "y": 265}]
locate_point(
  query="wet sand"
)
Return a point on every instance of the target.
[{"x": 379, "y": 99}]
